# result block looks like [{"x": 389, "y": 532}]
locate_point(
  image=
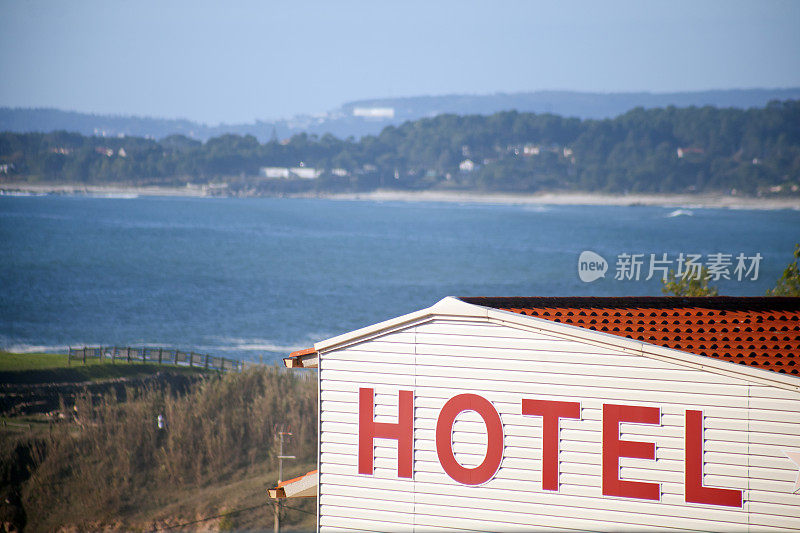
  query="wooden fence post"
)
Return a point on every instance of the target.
[
  {"x": 159, "y": 356},
  {"x": 128, "y": 353},
  {"x": 84, "y": 355}
]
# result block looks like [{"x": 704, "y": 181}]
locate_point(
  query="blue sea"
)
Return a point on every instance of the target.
[{"x": 257, "y": 278}]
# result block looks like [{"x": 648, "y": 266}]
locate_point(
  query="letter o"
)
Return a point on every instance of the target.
[{"x": 444, "y": 439}]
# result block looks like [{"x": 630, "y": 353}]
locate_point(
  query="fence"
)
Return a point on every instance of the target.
[{"x": 156, "y": 355}]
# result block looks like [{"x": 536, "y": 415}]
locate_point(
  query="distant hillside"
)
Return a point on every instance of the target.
[
  {"x": 664, "y": 150},
  {"x": 369, "y": 117},
  {"x": 569, "y": 103}
]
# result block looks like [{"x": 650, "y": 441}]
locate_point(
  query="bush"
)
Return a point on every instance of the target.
[{"x": 115, "y": 456}]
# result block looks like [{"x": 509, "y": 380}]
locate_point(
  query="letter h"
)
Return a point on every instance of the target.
[{"x": 369, "y": 430}]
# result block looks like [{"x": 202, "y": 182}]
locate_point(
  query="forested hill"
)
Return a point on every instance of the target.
[
  {"x": 568, "y": 103},
  {"x": 754, "y": 151},
  {"x": 369, "y": 117}
]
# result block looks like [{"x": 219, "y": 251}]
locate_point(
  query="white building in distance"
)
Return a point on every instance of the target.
[
  {"x": 373, "y": 112},
  {"x": 305, "y": 173}
]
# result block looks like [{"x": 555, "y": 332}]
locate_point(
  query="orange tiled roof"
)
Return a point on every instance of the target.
[
  {"x": 762, "y": 332},
  {"x": 293, "y": 480},
  {"x": 304, "y": 351}
]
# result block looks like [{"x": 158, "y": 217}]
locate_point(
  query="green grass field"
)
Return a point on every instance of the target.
[{"x": 31, "y": 368}]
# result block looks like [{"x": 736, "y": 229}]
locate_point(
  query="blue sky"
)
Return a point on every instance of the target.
[{"x": 238, "y": 61}]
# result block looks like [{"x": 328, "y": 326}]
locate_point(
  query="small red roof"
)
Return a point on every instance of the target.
[
  {"x": 761, "y": 332},
  {"x": 293, "y": 480},
  {"x": 304, "y": 351}
]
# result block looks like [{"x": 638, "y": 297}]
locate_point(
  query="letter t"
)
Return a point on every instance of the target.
[{"x": 551, "y": 412}]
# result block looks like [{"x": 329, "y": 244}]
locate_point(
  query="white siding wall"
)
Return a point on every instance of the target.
[{"x": 747, "y": 428}]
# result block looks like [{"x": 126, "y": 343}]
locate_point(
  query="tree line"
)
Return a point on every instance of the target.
[{"x": 668, "y": 150}]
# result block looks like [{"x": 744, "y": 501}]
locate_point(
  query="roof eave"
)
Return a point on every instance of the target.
[
  {"x": 308, "y": 358},
  {"x": 448, "y": 306},
  {"x": 457, "y": 308},
  {"x": 304, "y": 486}
]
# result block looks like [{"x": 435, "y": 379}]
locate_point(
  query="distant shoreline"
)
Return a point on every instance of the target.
[
  {"x": 10, "y": 189},
  {"x": 558, "y": 198},
  {"x": 577, "y": 198}
]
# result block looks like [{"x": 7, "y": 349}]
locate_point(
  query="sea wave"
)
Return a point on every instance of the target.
[
  {"x": 680, "y": 213},
  {"x": 112, "y": 195},
  {"x": 229, "y": 344},
  {"x": 154, "y": 345},
  {"x": 36, "y": 348},
  {"x": 537, "y": 208},
  {"x": 20, "y": 193},
  {"x": 221, "y": 345},
  {"x": 268, "y": 347}
]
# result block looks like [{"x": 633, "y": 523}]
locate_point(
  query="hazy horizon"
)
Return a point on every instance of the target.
[
  {"x": 257, "y": 119},
  {"x": 214, "y": 62}
]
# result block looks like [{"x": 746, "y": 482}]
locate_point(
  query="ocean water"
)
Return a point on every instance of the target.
[{"x": 257, "y": 278}]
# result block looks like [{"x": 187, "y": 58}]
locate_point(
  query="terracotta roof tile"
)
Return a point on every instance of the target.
[
  {"x": 305, "y": 351},
  {"x": 762, "y": 332},
  {"x": 293, "y": 480}
]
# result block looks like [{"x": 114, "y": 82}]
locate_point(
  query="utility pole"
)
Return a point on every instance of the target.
[{"x": 281, "y": 434}]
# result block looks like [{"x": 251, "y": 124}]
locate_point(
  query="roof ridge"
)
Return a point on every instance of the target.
[{"x": 733, "y": 303}]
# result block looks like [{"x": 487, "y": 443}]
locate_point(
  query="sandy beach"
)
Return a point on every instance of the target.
[
  {"x": 560, "y": 198},
  {"x": 665, "y": 200},
  {"x": 10, "y": 189}
]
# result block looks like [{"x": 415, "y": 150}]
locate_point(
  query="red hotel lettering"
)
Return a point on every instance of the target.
[
  {"x": 551, "y": 412},
  {"x": 613, "y": 449},
  {"x": 695, "y": 492},
  {"x": 494, "y": 437},
  {"x": 369, "y": 430}
]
